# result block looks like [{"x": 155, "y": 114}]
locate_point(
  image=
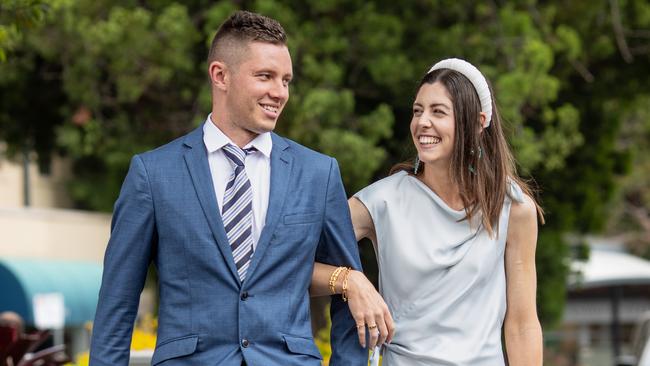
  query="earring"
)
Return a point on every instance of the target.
[
  {"x": 471, "y": 168},
  {"x": 480, "y": 152},
  {"x": 416, "y": 166}
]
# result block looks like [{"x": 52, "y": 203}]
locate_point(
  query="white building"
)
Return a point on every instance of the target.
[
  {"x": 48, "y": 248},
  {"x": 606, "y": 299}
]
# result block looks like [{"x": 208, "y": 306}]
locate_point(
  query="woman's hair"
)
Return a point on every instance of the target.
[{"x": 482, "y": 165}]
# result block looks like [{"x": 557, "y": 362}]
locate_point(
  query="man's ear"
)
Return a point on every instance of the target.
[{"x": 219, "y": 75}]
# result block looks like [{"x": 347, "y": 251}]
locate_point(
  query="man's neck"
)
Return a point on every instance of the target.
[{"x": 239, "y": 136}]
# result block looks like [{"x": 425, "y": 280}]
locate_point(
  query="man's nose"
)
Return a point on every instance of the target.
[{"x": 279, "y": 90}]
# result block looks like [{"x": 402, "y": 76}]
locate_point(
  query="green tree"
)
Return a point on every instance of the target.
[
  {"x": 15, "y": 16},
  {"x": 17, "y": 19},
  {"x": 107, "y": 79},
  {"x": 631, "y": 209}
]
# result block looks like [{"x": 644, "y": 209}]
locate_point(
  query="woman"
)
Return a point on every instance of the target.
[{"x": 455, "y": 236}]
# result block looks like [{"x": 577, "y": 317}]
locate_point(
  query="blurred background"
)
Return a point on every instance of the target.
[{"x": 85, "y": 84}]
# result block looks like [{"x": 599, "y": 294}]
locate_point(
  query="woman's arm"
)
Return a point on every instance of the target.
[
  {"x": 366, "y": 305},
  {"x": 362, "y": 222},
  {"x": 523, "y": 333}
]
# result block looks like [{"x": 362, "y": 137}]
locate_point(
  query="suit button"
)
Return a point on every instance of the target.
[
  {"x": 244, "y": 343},
  {"x": 244, "y": 295}
]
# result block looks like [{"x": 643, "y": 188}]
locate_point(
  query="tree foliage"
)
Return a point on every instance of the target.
[
  {"x": 16, "y": 15},
  {"x": 101, "y": 80}
]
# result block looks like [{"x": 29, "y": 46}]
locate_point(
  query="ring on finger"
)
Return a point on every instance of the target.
[{"x": 372, "y": 326}]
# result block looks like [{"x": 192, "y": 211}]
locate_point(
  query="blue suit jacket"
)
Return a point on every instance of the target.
[{"x": 167, "y": 213}]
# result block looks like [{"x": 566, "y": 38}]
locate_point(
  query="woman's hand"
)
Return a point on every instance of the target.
[
  {"x": 369, "y": 311},
  {"x": 367, "y": 307}
]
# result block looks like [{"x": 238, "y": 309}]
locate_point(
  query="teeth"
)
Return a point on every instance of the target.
[
  {"x": 270, "y": 108},
  {"x": 428, "y": 140}
]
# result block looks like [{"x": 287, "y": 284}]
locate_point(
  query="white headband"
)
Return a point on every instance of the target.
[{"x": 475, "y": 77}]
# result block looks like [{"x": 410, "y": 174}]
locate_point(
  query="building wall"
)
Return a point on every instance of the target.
[
  {"x": 46, "y": 190},
  {"x": 48, "y": 228},
  {"x": 53, "y": 233}
]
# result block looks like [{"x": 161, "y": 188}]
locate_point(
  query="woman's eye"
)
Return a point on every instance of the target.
[{"x": 417, "y": 112}]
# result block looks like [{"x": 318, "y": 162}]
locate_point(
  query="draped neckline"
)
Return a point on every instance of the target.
[{"x": 434, "y": 196}]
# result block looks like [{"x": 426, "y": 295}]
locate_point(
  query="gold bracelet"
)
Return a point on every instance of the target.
[
  {"x": 333, "y": 278},
  {"x": 344, "y": 291}
]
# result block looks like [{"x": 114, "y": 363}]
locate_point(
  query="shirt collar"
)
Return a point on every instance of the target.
[{"x": 214, "y": 139}]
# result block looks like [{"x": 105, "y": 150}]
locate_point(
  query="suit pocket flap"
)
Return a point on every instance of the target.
[
  {"x": 300, "y": 218},
  {"x": 174, "y": 348},
  {"x": 304, "y": 346}
]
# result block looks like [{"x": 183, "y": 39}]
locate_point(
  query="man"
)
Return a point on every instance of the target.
[
  {"x": 233, "y": 216},
  {"x": 12, "y": 320}
]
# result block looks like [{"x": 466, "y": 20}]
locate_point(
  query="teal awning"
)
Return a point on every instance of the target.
[{"x": 78, "y": 282}]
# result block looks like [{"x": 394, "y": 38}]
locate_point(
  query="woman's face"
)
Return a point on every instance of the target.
[{"x": 433, "y": 124}]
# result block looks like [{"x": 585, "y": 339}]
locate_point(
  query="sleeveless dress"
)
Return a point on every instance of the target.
[{"x": 443, "y": 279}]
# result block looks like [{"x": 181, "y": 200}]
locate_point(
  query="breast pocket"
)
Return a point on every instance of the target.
[{"x": 301, "y": 218}]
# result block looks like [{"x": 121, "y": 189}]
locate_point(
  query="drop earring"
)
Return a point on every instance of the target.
[
  {"x": 416, "y": 166},
  {"x": 480, "y": 155}
]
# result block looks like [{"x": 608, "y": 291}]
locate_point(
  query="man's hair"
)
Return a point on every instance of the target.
[{"x": 238, "y": 30}]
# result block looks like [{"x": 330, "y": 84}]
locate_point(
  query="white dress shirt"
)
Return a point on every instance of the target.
[{"x": 257, "y": 165}]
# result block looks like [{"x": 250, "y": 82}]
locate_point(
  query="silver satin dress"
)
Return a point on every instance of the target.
[{"x": 443, "y": 279}]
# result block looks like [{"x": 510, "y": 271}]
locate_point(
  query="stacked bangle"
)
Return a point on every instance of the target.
[
  {"x": 333, "y": 278},
  {"x": 344, "y": 291}
]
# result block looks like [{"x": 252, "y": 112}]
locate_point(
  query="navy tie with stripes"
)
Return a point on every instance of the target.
[{"x": 237, "y": 210}]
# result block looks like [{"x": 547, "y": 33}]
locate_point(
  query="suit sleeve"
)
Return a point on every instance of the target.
[
  {"x": 338, "y": 247},
  {"x": 127, "y": 258}
]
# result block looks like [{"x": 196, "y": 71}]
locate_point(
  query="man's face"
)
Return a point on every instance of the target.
[{"x": 258, "y": 88}]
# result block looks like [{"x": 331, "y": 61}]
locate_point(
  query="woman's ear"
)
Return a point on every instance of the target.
[{"x": 483, "y": 120}]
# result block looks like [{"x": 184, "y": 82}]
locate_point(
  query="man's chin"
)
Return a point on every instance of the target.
[{"x": 265, "y": 127}]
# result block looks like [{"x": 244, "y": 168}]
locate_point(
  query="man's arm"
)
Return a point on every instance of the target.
[
  {"x": 125, "y": 268},
  {"x": 338, "y": 247}
]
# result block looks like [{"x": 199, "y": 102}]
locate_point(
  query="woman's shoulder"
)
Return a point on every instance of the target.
[
  {"x": 384, "y": 185},
  {"x": 523, "y": 207},
  {"x": 515, "y": 192}
]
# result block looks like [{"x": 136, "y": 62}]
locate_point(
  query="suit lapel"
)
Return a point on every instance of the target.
[
  {"x": 281, "y": 164},
  {"x": 197, "y": 163}
]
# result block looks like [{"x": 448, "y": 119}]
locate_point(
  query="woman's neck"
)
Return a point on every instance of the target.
[{"x": 439, "y": 181}]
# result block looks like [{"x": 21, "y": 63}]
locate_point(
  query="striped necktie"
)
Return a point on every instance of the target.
[{"x": 237, "y": 210}]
